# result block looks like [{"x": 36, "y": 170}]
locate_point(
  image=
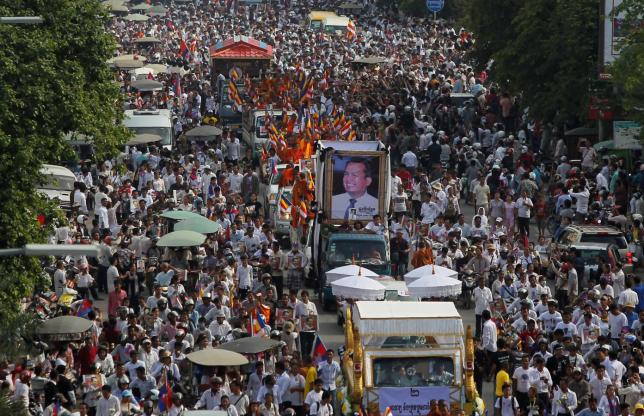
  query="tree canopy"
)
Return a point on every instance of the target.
[
  {"x": 53, "y": 80},
  {"x": 628, "y": 68},
  {"x": 544, "y": 49}
]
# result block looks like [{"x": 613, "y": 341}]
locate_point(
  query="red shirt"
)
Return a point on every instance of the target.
[
  {"x": 115, "y": 300},
  {"x": 86, "y": 357}
]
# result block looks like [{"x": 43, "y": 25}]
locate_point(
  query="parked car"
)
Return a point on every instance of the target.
[
  {"x": 590, "y": 252},
  {"x": 58, "y": 184},
  {"x": 604, "y": 234}
]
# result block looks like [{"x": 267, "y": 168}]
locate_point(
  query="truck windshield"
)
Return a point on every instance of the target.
[
  {"x": 58, "y": 183},
  {"x": 363, "y": 251},
  {"x": 164, "y": 132},
  {"x": 413, "y": 371}
]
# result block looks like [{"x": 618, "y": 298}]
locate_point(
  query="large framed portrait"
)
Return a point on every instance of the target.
[{"x": 355, "y": 187}]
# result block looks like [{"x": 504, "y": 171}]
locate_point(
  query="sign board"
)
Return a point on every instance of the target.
[
  {"x": 411, "y": 401},
  {"x": 613, "y": 31},
  {"x": 626, "y": 134},
  {"x": 435, "y": 5}
]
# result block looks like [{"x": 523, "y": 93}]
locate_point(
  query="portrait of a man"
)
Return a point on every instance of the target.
[{"x": 355, "y": 183}]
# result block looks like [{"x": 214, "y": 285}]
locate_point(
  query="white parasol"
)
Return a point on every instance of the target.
[
  {"x": 435, "y": 286},
  {"x": 429, "y": 270},
  {"x": 350, "y": 270},
  {"x": 358, "y": 287}
]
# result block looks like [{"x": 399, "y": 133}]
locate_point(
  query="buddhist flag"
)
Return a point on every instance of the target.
[{"x": 351, "y": 30}]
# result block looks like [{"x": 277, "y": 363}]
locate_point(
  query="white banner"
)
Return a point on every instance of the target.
[{"x": 411, "y": 401}]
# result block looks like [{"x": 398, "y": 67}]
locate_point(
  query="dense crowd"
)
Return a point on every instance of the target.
[{"x": 553, "y": 338}]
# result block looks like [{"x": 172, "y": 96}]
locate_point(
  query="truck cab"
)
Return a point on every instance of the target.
[
  {"x": 155, "y": 121},
  {"x": 229, "y": 115},
  {"x": 254, "y": 131}
]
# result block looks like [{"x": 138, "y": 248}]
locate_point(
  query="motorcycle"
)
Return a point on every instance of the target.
[{"x": 469, "y": 280}]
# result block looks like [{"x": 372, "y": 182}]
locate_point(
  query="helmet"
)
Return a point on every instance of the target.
[
  {"x": 563, "y": 159},
  {"x": 593, "y": 294},
  {"x": 477, "y": 146},
  {"x": 523, "y": 292}
]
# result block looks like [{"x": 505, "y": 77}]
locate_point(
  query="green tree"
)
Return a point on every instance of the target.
[
  {"x": 628, "y": 68},
  {"x": 53, "y": 80},
  {"x": 552, "y": 57},
  {"x": 491, "y": 23}
]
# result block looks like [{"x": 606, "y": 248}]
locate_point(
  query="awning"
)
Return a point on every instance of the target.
[{"x": 241, "y": 47}]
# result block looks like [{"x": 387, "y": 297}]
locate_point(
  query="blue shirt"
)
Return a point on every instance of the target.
[
  {"x": 639, "y": 289},
  {"x": 588, "y": 412}
]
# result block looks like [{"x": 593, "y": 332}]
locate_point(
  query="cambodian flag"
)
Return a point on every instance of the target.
[
  {"x": 319, "y": 350},
  {"x": 165, "y": 395},
  {"x": 85, "y": 308},
  {"x": 56, "y": 408}
]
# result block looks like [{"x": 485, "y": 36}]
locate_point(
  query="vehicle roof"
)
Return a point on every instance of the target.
[
  {"x": 336, "y": 21},
  {"x": 320, "y": 14},
  {"x": 461, "y": 94},
  {"x": 594, "y": 229},
  {"x": 57, "y": 170},
  {"x": 148, "y": 120},
  {"x": 356, "y": 236},
  {"x": 390, "y": 318},
  {"x": 591, "y": 246}
]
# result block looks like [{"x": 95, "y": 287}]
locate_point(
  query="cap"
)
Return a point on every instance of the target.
[
  {"x": 606, "y": 347},
  {"x": 154, "y": 394},
  {"x": 126, "y": 394},
  {"x": 639, "y": 406},
  {"x": 576, "y": 370},
  {"x": 557, "y": 347},
  {"x": 216, "y": 380},
  {"x": 499, "y": 219},
  {"x": 220, "y": 314}
]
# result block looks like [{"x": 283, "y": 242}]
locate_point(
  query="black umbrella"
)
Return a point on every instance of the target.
[{"x": 250, "y": 345}]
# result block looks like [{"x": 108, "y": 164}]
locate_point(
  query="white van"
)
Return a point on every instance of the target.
[
  {"x": 157, "y": 122},
  {"x": 59, "y": 184}
]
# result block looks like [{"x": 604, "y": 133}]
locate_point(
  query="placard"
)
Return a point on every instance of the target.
[
  {"x": 411, "y": 401},
  {"x": 309, "y": 323},
  {"x": 281, "y": 316},
  {"x": 355, "y": 186}
]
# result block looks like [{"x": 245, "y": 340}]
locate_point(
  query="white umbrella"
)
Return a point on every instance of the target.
[
  {"x": 434, "y": 286},
  {"x": 358, "y": 287},
  {"x": 432, "y": 270},
  {"x": 350, "y": 270}
]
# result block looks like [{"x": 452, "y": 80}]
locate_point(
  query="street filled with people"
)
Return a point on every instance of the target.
[{"x": 206, "y": 241}]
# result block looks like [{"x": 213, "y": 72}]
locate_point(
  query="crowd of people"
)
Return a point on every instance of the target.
[{"x": 553, "y": 338}]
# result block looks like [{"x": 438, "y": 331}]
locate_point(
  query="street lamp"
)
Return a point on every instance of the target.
[
  {"x": 21, "y": 20},
  {"x": 38, "y": 250}
]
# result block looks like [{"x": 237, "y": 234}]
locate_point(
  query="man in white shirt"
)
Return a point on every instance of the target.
[
  {"x": 628, "y": 296},
  {"x": 355, "y": 201},
  {"x": 564, "y": 401},
  {"x": 103, "y": 219},
  {"x": 313, "y": 398},
  {"x": 521, "y": 381},
  {"x": 599, "y": 382},
  {"x": 60, "y": 278},
  {"x": 244, "y": 276},
  {"x": 211, "y": 398},
  {"x": 108, "y": 405},
  {"x": 410, "y": 160},
  {"x": 524, "y": 205},
  {"x": 488, "y": 332},
  {"x": 482, "y": 299},
  {"x": 236, "y": 179}
]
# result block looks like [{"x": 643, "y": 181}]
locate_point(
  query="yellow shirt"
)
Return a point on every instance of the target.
[
  {"x": 502, "y": 377},
  {"x": 311, "y": 375}
]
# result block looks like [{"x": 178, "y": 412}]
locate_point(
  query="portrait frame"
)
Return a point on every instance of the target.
[
  {"x": 333, "y": 183},
  {"x": 282, "y": 315}
]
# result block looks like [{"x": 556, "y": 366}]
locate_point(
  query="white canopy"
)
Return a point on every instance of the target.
[
  {"x": 429, "y": 270},
  {"x": 435, "y": 286},
  {"x": 358, "y": 287},
  {"x": 350, "y": 270},
  {"x": 407, "y": 318}
]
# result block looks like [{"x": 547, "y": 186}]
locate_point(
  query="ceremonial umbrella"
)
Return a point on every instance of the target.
[
  {"x": 212, "y": 357},
  {"x": 181, "y": 238},
  {"x": 428, "y": 270},
  {"x": 434, "y": 286},
  {"x": 358, "y": 287},
  {"x": 350, "y": 270}
]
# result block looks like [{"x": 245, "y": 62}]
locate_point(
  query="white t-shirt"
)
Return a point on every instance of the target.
[
  {"x": 400, "y": 202},
  {"x": 522, "y": 376},
  {"x": 312, "y": 398},
  {"x": 509, "y": 406},
  {"x": 523, "y": 207}
]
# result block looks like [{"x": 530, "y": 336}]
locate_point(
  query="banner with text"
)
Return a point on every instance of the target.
[{"x": 411, "y": 401}]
